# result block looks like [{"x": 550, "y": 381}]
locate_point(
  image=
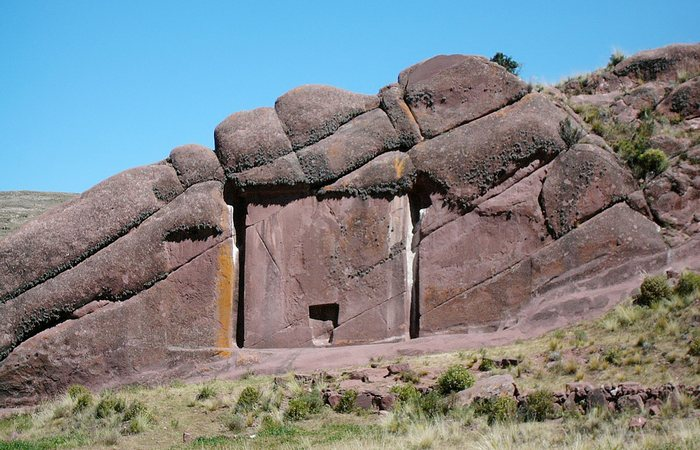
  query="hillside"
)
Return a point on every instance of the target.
[
  {"x": 642, "y": 361},
  {"x": 17, "y": 207}
]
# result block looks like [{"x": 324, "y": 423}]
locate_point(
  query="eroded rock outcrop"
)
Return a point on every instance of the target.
[{"x": 453, "y": 201}]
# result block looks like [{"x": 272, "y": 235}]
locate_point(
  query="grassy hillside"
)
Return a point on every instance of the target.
[
  {"x": 653, "y": 340},
  {"x": 16, "y": 207}
]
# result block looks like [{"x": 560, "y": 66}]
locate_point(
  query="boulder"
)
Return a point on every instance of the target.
[
  {"x": 633, "y": 403},
  {"x": 188, "y": 226},
  {"x": 395, "y": 107},
  {"x": 185, "y": 319},
  {"x": 674, "y": 197},
  {"x": 66, "y": 235},
  {"x": 250, "y": 138},
  {"x": 494, "y": 386},
  {"x": 312, "y": 112},
  {"x": 340, "y": 261},
  {"x": 390, "y": 174},
  {"x": 663, "y": 64},
  {"x": 195, "y": 164},
  {"x": 354, "y": 144},
  {"x": 283, "y": 174},
  {"x": 469, "y": 160},
  {"x": 449, "y": 90},
  {"x": 580, "y": 183},
  {"x": 646, "y": 96},
  {"x": 597, "y": 398},
  {"x": 637, "y": 423},
  {"x": 683, "y": 101}
]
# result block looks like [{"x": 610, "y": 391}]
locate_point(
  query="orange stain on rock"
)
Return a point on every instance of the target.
[
  {"x": 225, "y": 279},
  {"x": 399, "y": 166}
]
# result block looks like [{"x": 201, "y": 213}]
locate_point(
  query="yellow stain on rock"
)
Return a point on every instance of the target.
[
  {"x": 225, "y": 279},
  {"x": 399, "y": 166}
]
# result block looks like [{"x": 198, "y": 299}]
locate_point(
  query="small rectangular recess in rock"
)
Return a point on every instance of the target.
[{"x": 323, "y": 319}]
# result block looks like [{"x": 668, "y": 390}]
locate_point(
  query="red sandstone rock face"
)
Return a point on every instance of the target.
[
  {"x": 327, "y": 272},
  {"x": 446, "y": 91},
  {"x": 195, "y": 164},
  {"x": 69, "y": 233},
  {"x": 186, "y": 318},
  {"x": 311, "y": 113},
  {"x": 581, "y": 182},
  {"x": 665, "y": 63},
  {"x": 683, "y": 101},
  {"x": 606, "y": 250},
  {"x": 475, "y": 157},
  {"x": 183, "y": 229},
  {"x": 250, "y": 138},
  {"x": 446, "y": 204},
  {"x": 389, "y": 174},
  {"x": 674, "y": 197}
]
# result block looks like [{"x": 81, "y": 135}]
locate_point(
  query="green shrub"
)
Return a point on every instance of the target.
[
  {"x": 405, "y": 392},
  {"x": 653, "y": 290},
  {"x": 487, "y": 364},
  {"x": 688, "y": 283},
  {"x": 652, "y": 161},
  {"x": 136, "y": 408},
  {"x": 138, "y": 424},
  {"x": 569, "y": 133},
  {"x": 235, "y": 422},
  {"x": 613, "y": 356},
  {"x": 347, "y": 402},
  {"x": 507, "y": 62},
  {"x": 82, "y": 402},
  {"x": 496, "y": 409},
  {"x": 456, "y": 378},
  {"x": 432, "y": 404},
  {"x": 109, "y": 404},
  {"x": 206, "y": 392},
  {"x": 77, "y": 390},
  {"x": 249, "y": 399},
  {"x": 537, "y": 407},
  {"x": 694, "y": 347},
  {"x": 616, "y": 58},
  {"x": 304, "y": 405},
  {"x": 409, "y": 376}
]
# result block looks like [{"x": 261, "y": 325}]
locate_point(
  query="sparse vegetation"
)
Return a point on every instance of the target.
[
  {"x": 206, "y": 392},
  {"x": 654, "y": 343},
  {"x": 249, "y": 399},
  {"x": 507, "y": 62},
  {"x": 569, "y": 133},
  {"x": 538, "y": 406},
  {"x": 497, "y": 409},
  {"x": 616, "y": 58},
  {"x": 652, "y": 161},
  {"x": 347, "y": 402}
]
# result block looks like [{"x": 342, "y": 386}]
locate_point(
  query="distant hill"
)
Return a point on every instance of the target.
[{"x": 16, "y": 207}]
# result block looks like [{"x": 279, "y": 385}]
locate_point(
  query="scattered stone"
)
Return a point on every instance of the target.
[
  {"x": 396, "y": 369},
  {"x": 497, "y": 385},
  {"x": 637, "y": 423},
  {"x": 631, "y": 403}
]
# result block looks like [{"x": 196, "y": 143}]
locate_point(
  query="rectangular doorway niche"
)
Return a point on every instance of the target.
[
  {"x": 323, "y": 319},
  {"x": 326, "y": 272}
]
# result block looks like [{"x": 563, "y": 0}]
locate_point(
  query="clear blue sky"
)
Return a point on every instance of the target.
[{"x": 90, "y": 88}]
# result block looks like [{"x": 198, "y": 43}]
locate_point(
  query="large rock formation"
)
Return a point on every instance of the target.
[{"x": 454, "y": 201}]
